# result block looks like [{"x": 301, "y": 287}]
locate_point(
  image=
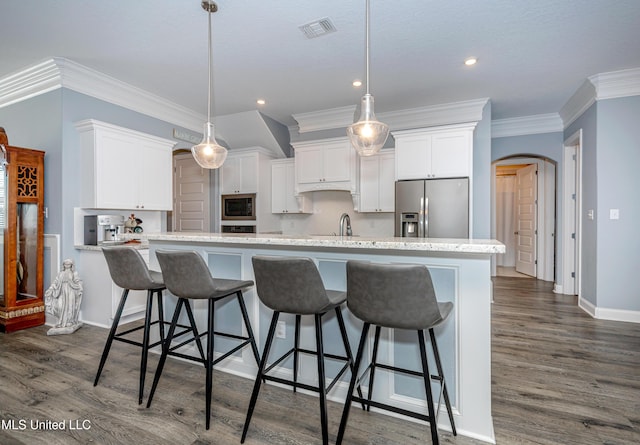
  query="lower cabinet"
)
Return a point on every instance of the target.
[{"x": 101, "y": 296}]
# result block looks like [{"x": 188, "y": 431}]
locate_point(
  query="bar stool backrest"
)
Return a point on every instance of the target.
[
  {"x": 392, "y": 295},
  {"x": 128, "y": 269},
  {"x": 186, "y": 274},
  {"x": 289, "y": 284}
]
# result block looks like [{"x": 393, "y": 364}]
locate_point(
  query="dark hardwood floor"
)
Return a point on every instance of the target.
[{"x": 559, "y": 377}]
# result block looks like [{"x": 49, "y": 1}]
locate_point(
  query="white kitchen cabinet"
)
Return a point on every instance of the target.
[
  {"x": 239, "y": 173},
  {"x": 283, "y": 181},
  {"x": 377, "y": 182},
  {"x": 328, "y": 164},
  {"x": 437, "y": 152},
  {"x": 123, "y": 168}
]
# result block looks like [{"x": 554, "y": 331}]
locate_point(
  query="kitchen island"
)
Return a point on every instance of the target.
[{"x": 461, "y": 273}]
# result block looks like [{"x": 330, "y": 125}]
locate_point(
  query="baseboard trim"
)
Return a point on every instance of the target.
[
  {"x": 618, "y": 315},
  {"x": 601, "y": 313}
]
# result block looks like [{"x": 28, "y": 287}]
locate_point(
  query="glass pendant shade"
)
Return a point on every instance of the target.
[
  {"x": 208, "y": 153},
  {"x": 367, "y": 135}
]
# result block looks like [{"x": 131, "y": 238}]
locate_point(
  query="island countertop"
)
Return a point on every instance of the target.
[
  {"x": 461, "y": 273},
  {"x": 472, "y": 246}
]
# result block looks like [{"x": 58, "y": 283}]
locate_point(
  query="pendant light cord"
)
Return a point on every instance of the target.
[
  {"x": 210, "y": 70},
  {"x": 367, "y": 45}
]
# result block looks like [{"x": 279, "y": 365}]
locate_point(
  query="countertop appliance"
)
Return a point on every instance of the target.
[
  {"x": 238, "y": 207},
  {"x": 102, "y": 229},
  {"x": 432, "y": 208}
]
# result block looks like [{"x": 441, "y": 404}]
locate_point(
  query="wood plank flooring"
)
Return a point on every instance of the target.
[{"x": 559, "y": 377}]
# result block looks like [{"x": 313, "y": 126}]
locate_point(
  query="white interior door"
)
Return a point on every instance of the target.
[
  {"x": 526, "y": 219},
  {"x": 191, "y": 211}
]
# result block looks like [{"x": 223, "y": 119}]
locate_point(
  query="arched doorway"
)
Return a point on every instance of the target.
[{"x": 524, "y": 218}]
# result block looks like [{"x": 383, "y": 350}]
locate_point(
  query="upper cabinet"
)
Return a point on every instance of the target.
[
  {"x": 123, "y": 168},
  {"x": 239, "y": 173},
  {"x": 377, "y": 182},
  {"x": 437, "y": 152},
  {"x": 328, "y": 164},
  {"x": 283, "y": 197}
]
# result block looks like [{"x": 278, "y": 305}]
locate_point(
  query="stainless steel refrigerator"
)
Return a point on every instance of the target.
[{"x": 432, "y": 208}]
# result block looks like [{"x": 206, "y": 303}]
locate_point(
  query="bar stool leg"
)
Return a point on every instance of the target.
[
  {"x": 296, "y": 348},
  {"x": 112, "y": 334},
  {"x": 145, "y": 344},
  {"x": 209, "y": 361},
  {"x": 436, "y": 353},
  {"x": 160, "y": 315},
  {"x": 427, "y": 386},
  {"x": 374, "y": 361},
  {"x": 194, "y": 328},
  {"x": 165, "y": 350},
  {"x": 352, "y": 383},
  {"x": 247, "y": 325},
  {"x": 347, "y": 348},
  {"x": 322, "y": 381},
  {"x": 261, "y": 368}
]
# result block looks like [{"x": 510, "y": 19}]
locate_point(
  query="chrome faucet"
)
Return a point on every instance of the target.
[{"x": 345, "y": 219}]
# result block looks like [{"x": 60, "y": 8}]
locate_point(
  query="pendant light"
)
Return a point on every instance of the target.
[
  {"x": 208, "y": 153},
  {"x": 367, "y": 135}
]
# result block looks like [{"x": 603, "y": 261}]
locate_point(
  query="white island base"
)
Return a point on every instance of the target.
[{"x": 460, "y": 271}]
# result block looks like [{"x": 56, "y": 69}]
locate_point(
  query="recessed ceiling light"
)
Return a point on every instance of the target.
[
  {"x": 261, "y": 101},
  {"x": 470, "y": 61},
  {"x": 357, "y": 83}
]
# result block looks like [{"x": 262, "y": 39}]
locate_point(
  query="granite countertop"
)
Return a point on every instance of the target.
[
  {"x": 140, "y": 246},
  {"x": 486, "y": 246}
]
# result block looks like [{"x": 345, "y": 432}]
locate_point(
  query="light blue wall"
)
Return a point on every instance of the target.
[
  {"x": 618, "y": 243},
  {"x": 547, "y": 145},
  {"x": 36, "y": 124},
  {"x": 587, "y": 122}
]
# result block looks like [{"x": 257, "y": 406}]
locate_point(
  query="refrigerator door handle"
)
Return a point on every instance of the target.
[
  {"x": 426, "y": 218},
  {"x": 421, "y": 219}
]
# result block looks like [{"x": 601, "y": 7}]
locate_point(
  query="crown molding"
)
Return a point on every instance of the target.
[
  {"x": 610, "y": 85},
  {"x": 616, "y": 84},
  {"x": 434, "y": 115},
  {"x": 582, "y": 99},
  {"x": 520, "y": 126},
  {"x": 58, "y": 72},
  {"x": 325, "y": 119},
  {"x": 429, "y": 116},
  {"x": 32, "y": 81}
]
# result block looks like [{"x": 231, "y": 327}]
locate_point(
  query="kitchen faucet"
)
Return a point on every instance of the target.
[{"x": 345, "y": 219}]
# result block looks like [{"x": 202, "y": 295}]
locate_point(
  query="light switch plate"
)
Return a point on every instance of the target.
[{"x": 614, "y": 213}]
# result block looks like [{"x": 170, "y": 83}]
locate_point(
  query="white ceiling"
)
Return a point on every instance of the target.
[{"x": 533, "y": 55}]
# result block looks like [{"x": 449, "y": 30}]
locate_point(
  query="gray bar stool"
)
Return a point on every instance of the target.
[
  {"x": 188, "y": 277},
  {"x": 294, "y": 286},
  {"x": 129, "y": 271},
  {"x": 397, "y": 296}
]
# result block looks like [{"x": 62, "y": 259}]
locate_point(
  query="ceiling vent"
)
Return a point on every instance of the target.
[{"x": 318, "y": 28}]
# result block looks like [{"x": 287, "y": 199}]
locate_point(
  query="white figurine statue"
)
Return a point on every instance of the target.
[{"x": 63, "y": 299}]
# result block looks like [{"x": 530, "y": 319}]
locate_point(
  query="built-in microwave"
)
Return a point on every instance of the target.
[{"x": 238, "y": 207}]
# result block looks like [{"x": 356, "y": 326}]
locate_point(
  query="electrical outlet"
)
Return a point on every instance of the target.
[{"x": 281, "y": 330}]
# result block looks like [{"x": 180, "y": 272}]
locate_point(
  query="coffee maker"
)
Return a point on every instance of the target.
[{"x": 102, "y": 229}]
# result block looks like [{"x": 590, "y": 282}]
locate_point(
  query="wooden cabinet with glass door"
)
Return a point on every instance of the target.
[{"x": 22, "y": 214}]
